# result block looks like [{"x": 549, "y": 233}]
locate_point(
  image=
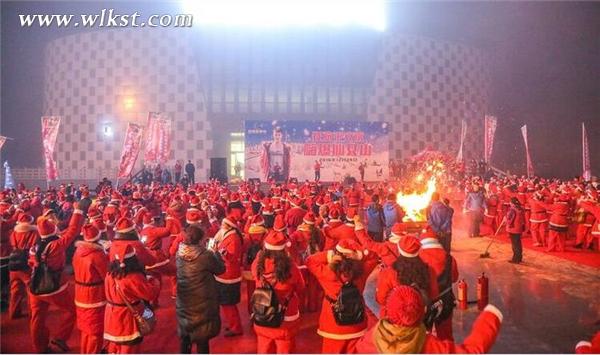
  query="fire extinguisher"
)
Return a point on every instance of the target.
[
  {"x": 482, "y": 291},
  {"x": 462, "y": 294}
]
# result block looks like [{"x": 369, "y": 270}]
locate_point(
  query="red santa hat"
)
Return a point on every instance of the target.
[
  {"x": 46, "y": 228},
  {"x": 404, "y": 306},
  {"x": 276, "y": 241},
  {"x": 295, "y": 201},
  {"x": 428, "y": 232},
  {"x": 334, "y": 214},
  {"x": 136, "y": 196},
  {"x": 351, "y": 249},
  {"x": 25, "y": 218},
  {"x": 193, "y": 216},
  {"x": 235, "y": 197},
  {"x": 257, "y": 225},
  {"x": 115, "y": 197},
  {"x": 398, "y": 231},
  {"x": 90, "y": 232},
  {"x": 256, "y": 197},
  {"x": 120, "y": 252},
  {"x": 195, "y": 201},
  {"x": 587, "y": 347},
  {"x": 124, "y": 225},
  {"x": 279, "y": 225},
  {"x": 148, "y": 219},
  {"x": 409, "y": 246},
  {"x": 309, "y": 218},
  {"x": 267, "y": 209},
  {"x": 350, "y": 215}
]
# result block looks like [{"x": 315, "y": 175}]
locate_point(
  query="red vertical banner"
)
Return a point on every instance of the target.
[
  {"x": 158, "y": 138},
  {"x": 2, "y": 141},
  {"x": 490, "y": 124},
  {"x": 150, "y": 150},
  {"x": 131, "y": 150},
  {"x": 50, "y": 125},
  {"x": 164, "y": 140},
  {"x": 463, "y": 136},
  {"x": 587, "y": 168},
  {"x": 530, "y": 172}
]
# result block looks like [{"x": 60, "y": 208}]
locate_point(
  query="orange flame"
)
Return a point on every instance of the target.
[{"x": 414, "y": 204}]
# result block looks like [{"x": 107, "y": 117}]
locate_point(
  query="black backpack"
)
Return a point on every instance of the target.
[
  {"x": 17, "y": 260},
  {"x": 266, "y": 309},
  {"x": 43, "y": 279},
  {"x": 349, "y": 307},
  {"x": 441, "y": 308}
]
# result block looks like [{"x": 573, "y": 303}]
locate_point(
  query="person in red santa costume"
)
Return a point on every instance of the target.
[
  {"x": 305, "y": 241},
  {"x": 253, "y": 243},
  {"x": 152, "y": 237},
  {"x": 538, "y": 220},
  {"x": 294, "y": 216},
  {"x": 584, "y": 236},
  {"x": 559, "y": 223},
  {"x": 126, "y": 282},
  {"x": 593, "y": 207},
  {"x": 445, "y": 268},
  {"x": 22, "y": 238},
  {"x": 126, "y": 234},
  {"x": 490, "y": 215},
  {"x": 387, "y": 251},
  {"x": 273, "y": 266},
  {"x": 229, "y": 242},
  {"x": 402, "y": 331},
  {"x": 51, "y": 248},
  {"x": 344, "y": 230},
  {"x": 408, "y": 269},
  {"x": 90, "y": 264},
  {"x": 589, "y": 347},
  {"x": 343, "y": 266},
  {"x": 333, "y": 221}
]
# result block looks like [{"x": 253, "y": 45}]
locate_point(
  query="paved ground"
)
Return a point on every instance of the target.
[{"x": 549, "y": 304}]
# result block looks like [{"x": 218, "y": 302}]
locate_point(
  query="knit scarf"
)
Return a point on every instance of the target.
[{"x": 393, "y": 339}]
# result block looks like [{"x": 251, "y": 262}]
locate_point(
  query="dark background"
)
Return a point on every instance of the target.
[{"x": 544, "y": 60}]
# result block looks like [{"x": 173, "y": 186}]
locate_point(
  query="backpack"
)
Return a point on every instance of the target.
[
  {"x": 266, "y": 309},
  {"x": 43, "y": 279},
  {"x": 349, "y": 307},
  {"x": 441, "y": 308},
  {"x": 17, "y": 260}
]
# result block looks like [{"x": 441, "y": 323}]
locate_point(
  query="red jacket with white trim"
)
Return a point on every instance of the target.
[
  {"x": 229, "y": 244},
  {"x": 119, "y": 323},
  {"x": 318, "y": 265},
  {"x": 90, "y": 264}
]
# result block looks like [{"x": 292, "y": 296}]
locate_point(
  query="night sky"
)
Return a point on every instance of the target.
[{"x": 544, "y": 63}]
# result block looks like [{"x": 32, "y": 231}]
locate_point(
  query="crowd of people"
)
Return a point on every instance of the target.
[{"x": 298, "y": 248}]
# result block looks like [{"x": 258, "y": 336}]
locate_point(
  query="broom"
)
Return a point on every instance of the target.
[{"x": 486, "y": 254}]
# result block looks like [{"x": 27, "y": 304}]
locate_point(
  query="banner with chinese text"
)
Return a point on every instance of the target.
[
  {"x": 284, "y": 149},
  {"x": 131, "y": 150},
  {"x": 50, "y": 125}
]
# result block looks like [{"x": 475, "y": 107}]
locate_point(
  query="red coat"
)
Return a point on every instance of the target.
[
  {"x": 515, "y": 220},
  {"x": 560, "y": 214},
  {"x": 480, "y": 340},
  {"x": 90, "y": 264},
  {"x": 231, "y": 248},
  {"x": 289, "y": 289},
  {"x": 56, "y": 250},
  {"x": 538, "y": 212},
  {"x": 318, "y": 265},
  {"x": 589, "y": 347},
  {"x": 330, "y": 243},
  {"x": 152, "y": 237},
  {"x": 387, "y": 251},
  {"x": 23, "y": 236},
  {"x": 293, "y": 218},
  {"x": 119, "y": 324},
  {"x": 594, "y": 209},
  {"x": 433, "y": 254},
  {"x": 388, "y": 280}
]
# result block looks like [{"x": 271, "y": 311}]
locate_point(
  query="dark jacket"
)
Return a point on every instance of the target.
[{"x": 197, "y": 305}]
